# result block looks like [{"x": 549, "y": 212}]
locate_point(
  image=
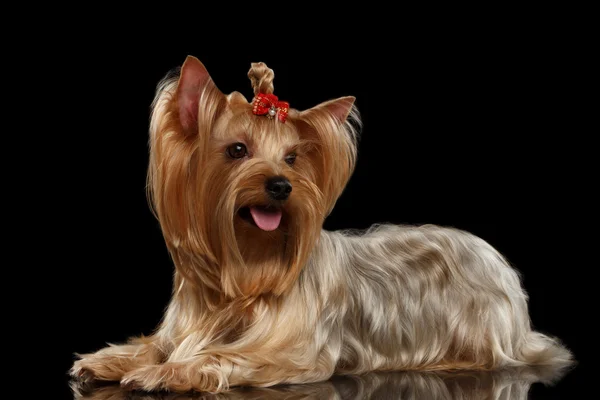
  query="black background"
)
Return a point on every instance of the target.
[{"x": 475, "y": 127}]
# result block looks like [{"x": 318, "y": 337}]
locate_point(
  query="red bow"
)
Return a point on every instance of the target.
[{"x": 270, "y": 105}]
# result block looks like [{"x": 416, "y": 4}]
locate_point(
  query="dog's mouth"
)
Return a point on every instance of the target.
[{"x": 267, "y": 218}]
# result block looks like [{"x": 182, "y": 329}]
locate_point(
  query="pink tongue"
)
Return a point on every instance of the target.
[{"x": 266, "y": 220}]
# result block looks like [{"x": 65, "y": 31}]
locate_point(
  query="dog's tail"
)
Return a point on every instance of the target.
[{"x": 539, "y": 350}]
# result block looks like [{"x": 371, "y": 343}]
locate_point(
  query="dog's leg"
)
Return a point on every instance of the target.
[
  {"x": 216, "y": 373},
  {"x": 112, "y": 362}
]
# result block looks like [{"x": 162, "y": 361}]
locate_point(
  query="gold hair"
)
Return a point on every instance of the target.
[{"x": 261, "y": 78}]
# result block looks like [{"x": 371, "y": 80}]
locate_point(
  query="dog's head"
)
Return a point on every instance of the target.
[{"x": 241, "y": 189}]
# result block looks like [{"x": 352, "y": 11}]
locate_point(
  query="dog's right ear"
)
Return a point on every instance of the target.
[{"x": 194, "y": 83}]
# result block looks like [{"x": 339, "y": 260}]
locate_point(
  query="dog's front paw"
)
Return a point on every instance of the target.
[
  {"x": 82, "y": 371},
  {"x": 97, "y": 367},
  {"x": 149, "y": 378},
  {"x": 172, "y": 377}
]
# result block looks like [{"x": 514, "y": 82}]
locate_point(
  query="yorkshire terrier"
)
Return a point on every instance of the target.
[{"x": 263, "y": 295}]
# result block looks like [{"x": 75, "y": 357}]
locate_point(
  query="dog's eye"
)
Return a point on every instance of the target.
[
  {"x": 290, "y": 158},
  {"x": 237, "y": 150}
]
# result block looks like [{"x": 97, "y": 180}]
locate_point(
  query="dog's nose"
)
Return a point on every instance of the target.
[{"x": 279, "y": 188}]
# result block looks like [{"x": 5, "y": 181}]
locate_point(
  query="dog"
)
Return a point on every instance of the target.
[{"x": 263, "y": 295}]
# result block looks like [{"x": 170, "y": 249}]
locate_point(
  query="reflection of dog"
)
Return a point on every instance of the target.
[
  {"x": 262, "y": 295},
  {"x": 510, "y": 384}
]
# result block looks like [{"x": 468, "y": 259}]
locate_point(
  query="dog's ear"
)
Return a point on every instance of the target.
[
  {"x": 332, "y": 127},
  {"x": 339, "y": 109},
  {"x": 194, "y": 82}
]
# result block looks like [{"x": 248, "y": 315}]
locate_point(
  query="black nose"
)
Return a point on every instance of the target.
[{"x": 279, "y": 188}]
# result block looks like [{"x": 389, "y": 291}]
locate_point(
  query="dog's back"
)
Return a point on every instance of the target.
[{"x": 431, "y": 298}]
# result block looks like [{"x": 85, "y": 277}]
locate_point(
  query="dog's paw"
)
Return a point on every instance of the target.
[
  {"x": 131, "y": 384},
  {"x": 82, "y": 372},
  {"x": 98, "y": 368},
  {"x": 171, "y": 377},
  {"x": 149, "y": 379}
]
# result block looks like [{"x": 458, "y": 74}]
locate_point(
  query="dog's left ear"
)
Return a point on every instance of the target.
[
  {"x": 339, "y": 109},
  {"x": 194, "y": 83},
  {"x": 332, "y": 127}
]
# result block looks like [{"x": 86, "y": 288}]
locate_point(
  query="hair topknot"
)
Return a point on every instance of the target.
[{"x": 261, "y": 78}]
